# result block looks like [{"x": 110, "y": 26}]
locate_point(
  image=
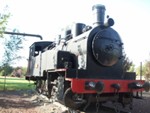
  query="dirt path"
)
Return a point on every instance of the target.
[
  {"x": 29, "y": 102},
  {"x": 25, "y": 102}
]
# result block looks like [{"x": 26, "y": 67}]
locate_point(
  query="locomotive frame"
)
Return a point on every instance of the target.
[{"x": 85, "y": 67}]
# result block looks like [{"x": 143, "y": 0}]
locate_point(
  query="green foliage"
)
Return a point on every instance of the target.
[
  {"x": 3, "y": 23},
  {"x": 144, "y": 70},
  {"x": 127, "y": 64},
  {"x": 11, "y": 71},
  {"x": 19, "y": 72},
  {"x": 12, "y": 46},
  {"x": 24, "y": 70},
  {"x": 140, "y": 69},
  {"x": 4, "y": 16},
  {"x": 1, "y": 72},
  {"x": 6, "y": 70},
  {"x": 147, "y": 70},
  {"x": 132, "y": 68}
]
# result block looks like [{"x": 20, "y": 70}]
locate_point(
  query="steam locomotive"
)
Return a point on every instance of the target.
[{"x": 84, "y": 68}]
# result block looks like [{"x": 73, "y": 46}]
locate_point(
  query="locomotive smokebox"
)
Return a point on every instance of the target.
[{"x": 98, "y": 14}]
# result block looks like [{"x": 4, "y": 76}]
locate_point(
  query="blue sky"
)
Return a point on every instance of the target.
[{"x": 45, "y": 17}]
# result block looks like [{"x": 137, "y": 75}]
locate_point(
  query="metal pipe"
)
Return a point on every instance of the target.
[{"x": 23, "y": 34}]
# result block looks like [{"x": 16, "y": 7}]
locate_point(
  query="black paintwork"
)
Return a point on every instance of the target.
[{"x": 93, "y": 52}]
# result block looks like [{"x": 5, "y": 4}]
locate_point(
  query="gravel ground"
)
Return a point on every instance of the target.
[
  {"x": 29, "y": 102},
  {"x": 142, "y": 105},
  {"x": 26, "y": 102}
]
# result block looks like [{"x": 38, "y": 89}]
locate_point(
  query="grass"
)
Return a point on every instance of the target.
[{"x": 14, "y": 83}]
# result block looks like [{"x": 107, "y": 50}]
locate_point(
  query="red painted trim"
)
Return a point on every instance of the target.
[{"x": 78, "y": 85}]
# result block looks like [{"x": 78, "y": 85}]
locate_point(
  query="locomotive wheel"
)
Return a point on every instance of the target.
[
  {"x": 71, "y": 100},
  {"x": 39, "y": 86},
  {"x": 46, "y": 87},
  {"x": 72, "y": 111},
  {"x": 58, "y": 89},
  {"x": 60, "y": 86}
]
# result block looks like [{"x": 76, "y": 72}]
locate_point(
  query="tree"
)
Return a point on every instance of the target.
[
  {"x": 147, "y": 70},
  {"x": 3, "y": 21},
  {"x": 12, "y": 45},
  {"x": 6, "y": 70},
  {"x": 132, "y": 68},
  {"x": 17, "y": 72},
  {"x": 24, "y": 70},
  {"x": 127, "y": 64}
]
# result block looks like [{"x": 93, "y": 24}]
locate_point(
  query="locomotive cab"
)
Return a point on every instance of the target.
[{"x": 34, "y": 60}]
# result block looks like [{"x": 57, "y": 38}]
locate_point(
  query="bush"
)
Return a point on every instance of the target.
[{"x": 6, "y": 70}]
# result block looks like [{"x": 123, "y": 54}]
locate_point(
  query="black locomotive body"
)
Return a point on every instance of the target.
[{"x": 84, "y": 67}]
